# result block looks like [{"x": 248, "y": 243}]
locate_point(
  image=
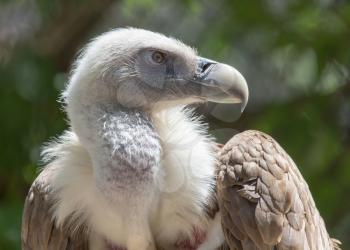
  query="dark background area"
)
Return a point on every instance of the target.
[{"x": 294, "y": 54}]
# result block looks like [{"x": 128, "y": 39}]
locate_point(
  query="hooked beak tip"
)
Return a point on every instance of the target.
[
  {"x": 243, "y": 105},
  {"x": 231, "y": 82}
]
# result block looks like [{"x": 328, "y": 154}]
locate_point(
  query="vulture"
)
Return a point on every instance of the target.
[{"x": 137, "y": 170}]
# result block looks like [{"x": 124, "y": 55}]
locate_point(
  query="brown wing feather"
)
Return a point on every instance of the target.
[
  {"x": 264, "y": 200},
  {"x": 38, "y": 228}
]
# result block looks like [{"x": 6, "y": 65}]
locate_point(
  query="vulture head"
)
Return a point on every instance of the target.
[{"x": 136, "y": 68}]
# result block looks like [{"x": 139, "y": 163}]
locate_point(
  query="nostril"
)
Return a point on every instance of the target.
[{"x": 206, "y": 66}]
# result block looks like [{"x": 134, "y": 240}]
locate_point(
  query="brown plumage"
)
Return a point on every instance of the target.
[
  {"x": 264, "y": 201},
  {"x": 39, "y": 231}
]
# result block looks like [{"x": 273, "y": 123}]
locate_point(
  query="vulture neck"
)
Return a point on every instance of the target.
[
  {"x": 123, "y": 144},
  {"x": 133, "y": 167}
]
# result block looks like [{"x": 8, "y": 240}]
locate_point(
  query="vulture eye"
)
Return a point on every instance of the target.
[{"x": 158, "y": 57}]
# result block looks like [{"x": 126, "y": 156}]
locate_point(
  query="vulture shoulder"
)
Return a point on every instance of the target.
[
  {"x": 39, "y": 230},
  {"x": 264, "y": 201}
]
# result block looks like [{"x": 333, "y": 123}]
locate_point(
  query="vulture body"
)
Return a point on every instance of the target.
[{"x": 138, "y": 171}]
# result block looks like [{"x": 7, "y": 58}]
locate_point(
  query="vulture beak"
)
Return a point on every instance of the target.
[{"x": 221, "y": 83}]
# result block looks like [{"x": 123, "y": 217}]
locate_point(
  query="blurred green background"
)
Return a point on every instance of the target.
[{"x": 295, "y": 55}]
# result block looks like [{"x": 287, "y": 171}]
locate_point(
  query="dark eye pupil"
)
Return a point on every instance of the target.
[{"x": 158, "y": 57}]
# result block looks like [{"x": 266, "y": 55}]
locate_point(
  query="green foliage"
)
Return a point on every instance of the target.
[{"x": 30, "y": 116}]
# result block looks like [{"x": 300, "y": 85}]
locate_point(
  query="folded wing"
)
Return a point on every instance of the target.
[
  {"x": 39, "y": 231},
  {"x": 264, "y": 201}
]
